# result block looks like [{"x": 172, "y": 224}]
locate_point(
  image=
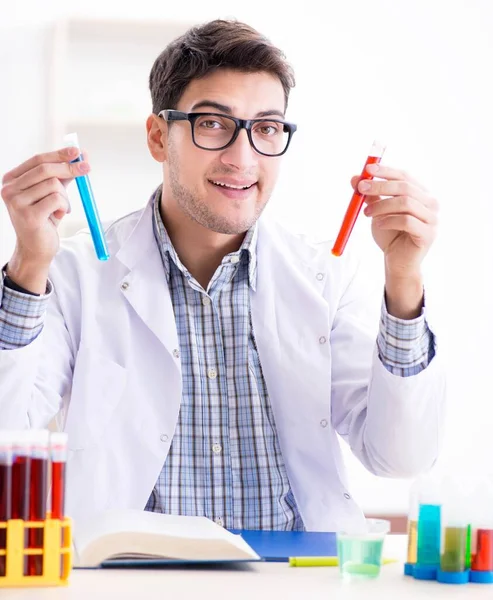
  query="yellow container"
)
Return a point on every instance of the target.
[{"x": 57, "y": 557}]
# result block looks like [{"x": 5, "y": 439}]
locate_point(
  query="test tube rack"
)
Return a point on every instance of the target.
[{"x": 57, "y": 557}]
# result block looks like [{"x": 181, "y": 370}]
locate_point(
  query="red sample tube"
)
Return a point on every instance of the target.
[
  {"x": 58, "y": 453},
  {"x": 6, "y": 459},
  {"x": 21, "y": 476},
  {"x": 353, "y": 210},
  {"x": 38, "y": 495},
  {"x": 482, "y": 560}
]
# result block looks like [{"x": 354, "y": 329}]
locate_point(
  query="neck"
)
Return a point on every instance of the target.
[{"x": 201, "y": 250}]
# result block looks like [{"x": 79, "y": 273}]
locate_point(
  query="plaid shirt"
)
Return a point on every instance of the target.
[{"x": 225, "y": 461}]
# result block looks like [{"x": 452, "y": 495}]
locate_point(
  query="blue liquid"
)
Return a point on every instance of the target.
[
  {"x": 429, "y": 534},
  {"x": 359, "y": 557},
  {"x": 92, "y": 215}
]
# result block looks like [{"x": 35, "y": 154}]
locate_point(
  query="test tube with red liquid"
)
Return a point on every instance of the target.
[
  {"x": 58, "y": 455},
  {"x": 6, "y": 459},
  {"x": 354, "y": 208},
  {"x": 21, "y": 477},
  {"x": 482, "y": 536},
  {"x": 38, "y": 495},
  {"x": 58, "y": 452}
]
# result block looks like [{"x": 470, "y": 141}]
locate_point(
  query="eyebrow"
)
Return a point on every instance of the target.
[{"x": 227, "y": 109}]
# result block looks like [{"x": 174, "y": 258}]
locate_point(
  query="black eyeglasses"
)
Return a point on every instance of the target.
[{"x": 212, "y": 131}]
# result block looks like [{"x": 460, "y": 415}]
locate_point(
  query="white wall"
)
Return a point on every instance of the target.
[{"x": 413, "y": 73}]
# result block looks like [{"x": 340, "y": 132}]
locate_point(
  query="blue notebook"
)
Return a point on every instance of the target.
[
  {"x": 271, "y": 546},
  {"x": 278, "y": 546}
]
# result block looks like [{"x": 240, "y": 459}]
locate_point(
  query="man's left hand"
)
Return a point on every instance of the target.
[{"x": 404, "y": 225}]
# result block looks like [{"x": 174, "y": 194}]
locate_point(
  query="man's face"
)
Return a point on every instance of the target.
[{"x": 203, "y": 183}]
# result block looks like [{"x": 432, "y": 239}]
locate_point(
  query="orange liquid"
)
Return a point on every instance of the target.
[{"x": 353, "y": 210}]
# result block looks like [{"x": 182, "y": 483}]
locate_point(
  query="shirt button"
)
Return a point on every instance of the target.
[
  {"x": 320, "y": 276},
  {"x": 125, "y": 285},
  {"x": 176, "y": 353},
  {"x": 219, "y": 521},
  {"x": 322, "y": 339},
  {"x": 164, "y": 438},
  {"x": 324, "y": 423},
  {"x": 216, "y": 448},
  {"x": 235, "y": 259},
  {"x": 206, "y": 300},
  {"x": 212, "y": 373}
]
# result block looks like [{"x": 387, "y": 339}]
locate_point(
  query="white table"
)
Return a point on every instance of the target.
[{"x": 276, "y": 581}]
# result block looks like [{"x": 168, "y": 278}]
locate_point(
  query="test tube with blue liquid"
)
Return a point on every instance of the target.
[
  {"x": 429, "y": 530},
  {"x": 89, "y": 204}
]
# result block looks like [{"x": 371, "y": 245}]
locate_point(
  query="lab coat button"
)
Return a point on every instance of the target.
[
  {"x": 347, "y": 496},
  {"x": 324, "y": 423},
  {"x": 320, "y": 276},
  {"x": 125, "y": 285},
  {"x": 322, "y": 339},
  {"x": 164, "y": 438},
  {"x": 176, "y": 353}
]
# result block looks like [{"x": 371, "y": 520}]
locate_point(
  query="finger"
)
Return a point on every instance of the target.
[
  {"x": 55, "y": 204},
  {"x": 49, "y": 170},
  {"x": 367, "y": 199},
  {"x": 402, "y": 205},
  {"x": 421, "y": 232},
  {"x": 390, "y": 173},
  {"x": 38, "y": 192},
  {"x": 391, "y": 188},
  {"x": 58, "y": 156}
]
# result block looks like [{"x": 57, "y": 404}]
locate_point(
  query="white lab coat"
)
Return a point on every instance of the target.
[{"x": 107, "y": 356}]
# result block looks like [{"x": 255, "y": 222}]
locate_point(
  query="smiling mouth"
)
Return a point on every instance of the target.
[{"x": 231, "y": 186}]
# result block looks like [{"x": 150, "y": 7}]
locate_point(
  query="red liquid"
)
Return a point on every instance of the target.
[
  {"x": 58, "y": 499},
  {"x": 58, "y": 490},
  {"x": 353, "y": 211},
  {"x": 5, "y": 509},
  {"x": 37, "y": 512},
  {"x": 483, "y": 559},
  {"x": 21, "y": 472}
]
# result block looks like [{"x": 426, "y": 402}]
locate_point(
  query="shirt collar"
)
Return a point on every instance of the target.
[{"x": 248, "y": 248}]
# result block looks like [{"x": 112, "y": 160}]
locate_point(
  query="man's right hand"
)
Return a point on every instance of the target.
[{"x": 36, "y": 198}]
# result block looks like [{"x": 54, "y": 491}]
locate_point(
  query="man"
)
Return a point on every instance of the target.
[{"x": 208, "y": 367}]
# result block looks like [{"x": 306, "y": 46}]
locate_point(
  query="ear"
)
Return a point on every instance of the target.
[{"x": 157, "y": 137}]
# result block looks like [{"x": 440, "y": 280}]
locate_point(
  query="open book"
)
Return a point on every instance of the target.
[{"x": 140, "y": 535}]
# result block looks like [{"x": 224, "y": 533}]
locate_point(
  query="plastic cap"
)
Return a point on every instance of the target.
[
  {"x": 71, "y": 140},
  {"x": 38, "y": 437},
  {"x": 453, "y": 577},
  {"x": 59, "y": 438},
  {"x": 7, "y": 438},
  {"x": 377, "y": 148}
]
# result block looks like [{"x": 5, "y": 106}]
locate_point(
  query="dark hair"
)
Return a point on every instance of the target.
[{"x": 226, "y": 44}]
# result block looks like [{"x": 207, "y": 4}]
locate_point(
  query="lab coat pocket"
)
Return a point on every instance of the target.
[{"x": 98, "y": 385}]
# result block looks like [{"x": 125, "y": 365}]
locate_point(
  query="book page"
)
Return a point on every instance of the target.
[{"x": 135, "y": 532}]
